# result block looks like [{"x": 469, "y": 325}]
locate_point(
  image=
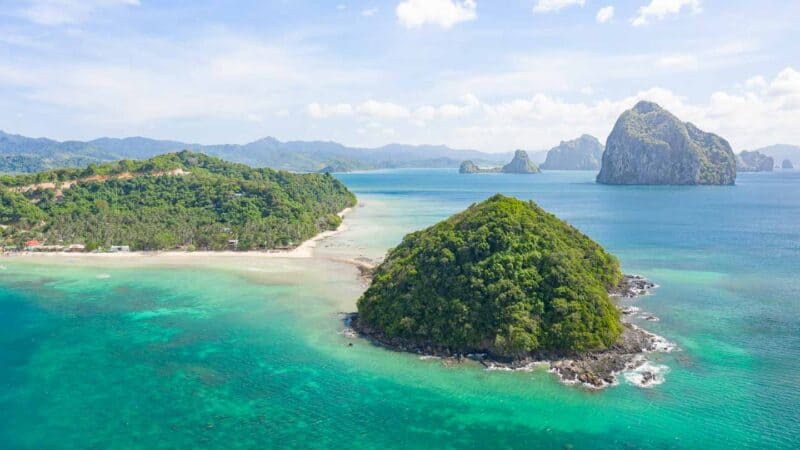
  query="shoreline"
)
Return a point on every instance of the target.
[
  {"x": 593, "y": 369},
  {"x": 304, "y": 250}
]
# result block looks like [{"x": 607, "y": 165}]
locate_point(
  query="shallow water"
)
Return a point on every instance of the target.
[{"x": 245, "y": 353}]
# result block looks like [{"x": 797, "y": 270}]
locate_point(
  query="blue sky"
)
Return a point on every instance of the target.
[{"x": 492, "y": 75}]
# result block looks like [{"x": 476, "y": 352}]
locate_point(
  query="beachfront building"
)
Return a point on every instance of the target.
[{"x": 32, "y": 245}]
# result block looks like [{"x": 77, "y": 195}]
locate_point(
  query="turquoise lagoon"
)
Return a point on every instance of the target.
[{"x": 245, "y": 352}]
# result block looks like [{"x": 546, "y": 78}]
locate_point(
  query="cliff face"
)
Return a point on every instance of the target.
[
  {"x": 649, "y": 145},
  {"x": 520, "y": 164},
  {"x": 583, "y": 153},
  {"x": 470, "y": 167},
  {"x": 754, "y": 162}
]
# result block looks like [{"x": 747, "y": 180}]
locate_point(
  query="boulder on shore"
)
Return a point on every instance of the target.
[{"x": 649, "y": 145}]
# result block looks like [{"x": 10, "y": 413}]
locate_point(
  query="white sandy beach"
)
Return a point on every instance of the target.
[{"x": 304, "y": 250}]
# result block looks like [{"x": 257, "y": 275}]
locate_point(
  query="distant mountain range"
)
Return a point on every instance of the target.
[{"x": 24, "y": 154}]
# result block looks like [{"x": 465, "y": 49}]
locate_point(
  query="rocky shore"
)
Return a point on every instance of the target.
[{"x": 596, "y": 369}]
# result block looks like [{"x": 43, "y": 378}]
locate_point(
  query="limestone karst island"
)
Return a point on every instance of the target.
[{"x": 649, "y": 145}]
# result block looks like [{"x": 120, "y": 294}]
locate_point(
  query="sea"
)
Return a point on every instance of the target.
[{"x": 248, "y": 352}]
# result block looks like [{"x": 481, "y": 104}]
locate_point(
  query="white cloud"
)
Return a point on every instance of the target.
[
  {"x": 60, "y": 12},
  {"x": 681, "y": 62},
  {"x": 320, "y": 111},
  {"x": 143, "y": 83},
  {"x": 382, "y": 110},
  {"x": 757, "y": 82},
  {"x": 605, "y": 14},
  {"x": 544, "y": 6},
  {"x": 659, "y": 9},
  {"x": 369, "y": 12},
  {"x": 567, "y": 71},
  {"x": 444, "y": 13},
  {"x": 786, "y": 83},
  {"x": 341, "y": 7},
  {"x": 747, "y": 119}
]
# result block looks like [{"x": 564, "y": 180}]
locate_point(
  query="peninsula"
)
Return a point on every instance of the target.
[{"x": 183, "y": 200}]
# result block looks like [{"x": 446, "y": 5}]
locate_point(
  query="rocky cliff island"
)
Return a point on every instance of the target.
[
  {"x": 521, "y": 163},
  {"x": 649, "y": 145},
  {"x": 509, "y": 284},
  {"x": 786, "y": 164},
  {"x": 754, "y": 161},
  {"x": 471, "y": 167},
  {"x": 583, "y": 153}
]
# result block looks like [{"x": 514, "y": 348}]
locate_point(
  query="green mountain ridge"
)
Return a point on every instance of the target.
[{"x": 298, "y": 156}]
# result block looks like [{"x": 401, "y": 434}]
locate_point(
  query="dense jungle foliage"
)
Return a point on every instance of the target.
[
  {"x": 503, "y": 277},
  {"x": 184, "y": 199}
]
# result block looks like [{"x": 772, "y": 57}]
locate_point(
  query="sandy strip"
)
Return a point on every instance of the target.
[{"x": 304, "y": 250}]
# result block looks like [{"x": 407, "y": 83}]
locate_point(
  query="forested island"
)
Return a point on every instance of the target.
[
  {"x": 181, "y": 200},
  {"x": 508, "y": 281}
]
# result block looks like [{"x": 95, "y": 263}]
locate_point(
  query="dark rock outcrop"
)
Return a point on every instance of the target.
[
  {"x": 337, "y": 167},
  {"x": 583, "y": 153},
  {"x": 520, "y": 164},
  {"x": 471, "y": 167},
  {"x": 786, "y": 164},
  {"x": 649, "y": 145},
  {"x": 754, "y": 162}
]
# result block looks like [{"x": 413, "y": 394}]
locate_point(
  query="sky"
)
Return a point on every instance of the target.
[{"x": 489, "y": 75}]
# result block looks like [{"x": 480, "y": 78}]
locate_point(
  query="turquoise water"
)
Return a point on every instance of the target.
[{"x": 245, "y": 353}]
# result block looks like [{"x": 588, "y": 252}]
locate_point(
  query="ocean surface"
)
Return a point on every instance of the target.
[{"x": 247, "y": 352}]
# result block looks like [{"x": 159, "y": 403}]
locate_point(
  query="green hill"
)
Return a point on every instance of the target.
[
  {"x": 503, "y": 277},
  {"x": 178, "y": 199}
]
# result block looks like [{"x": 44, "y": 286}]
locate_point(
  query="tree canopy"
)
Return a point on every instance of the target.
[
  {"x": 177, "y": 199},
  {"x": 504, "y": 277}
]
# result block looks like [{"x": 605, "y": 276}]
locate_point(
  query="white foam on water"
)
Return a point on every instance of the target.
[
  {"x": 348, "y": 333},
  {"x": 103, "y": 276},
  {"x": 637, "y": 375}
]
